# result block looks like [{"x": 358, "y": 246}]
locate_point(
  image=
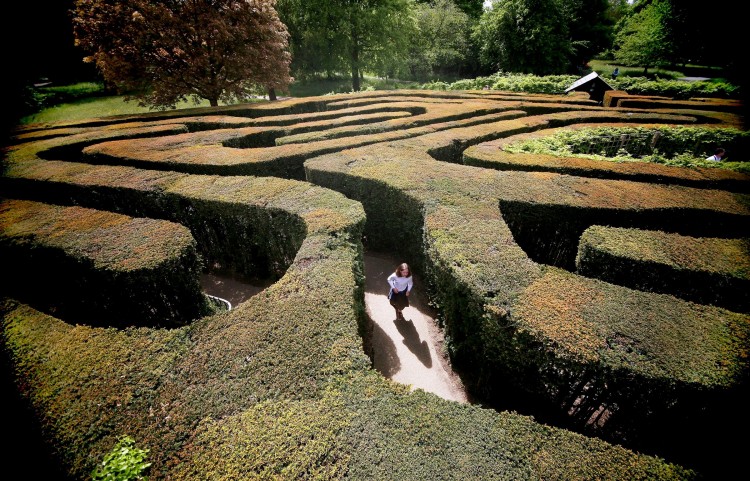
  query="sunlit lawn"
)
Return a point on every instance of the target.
[
  {"x": 94, "y": 107},
  {"x": 100, "y": 106}
]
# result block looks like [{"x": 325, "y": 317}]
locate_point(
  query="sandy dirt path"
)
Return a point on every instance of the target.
[{"x": 410, "y": 351}]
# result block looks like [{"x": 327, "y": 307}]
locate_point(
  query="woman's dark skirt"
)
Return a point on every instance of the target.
[{"x": 399, "y": 301}]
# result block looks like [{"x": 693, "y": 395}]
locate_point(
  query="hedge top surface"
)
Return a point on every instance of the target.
[
  {"x": 708, "y": 254},
  {"x": 104, "y": 239}
]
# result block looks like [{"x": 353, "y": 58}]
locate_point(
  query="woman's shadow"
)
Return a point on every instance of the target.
[{"x": 411, "y": 340}]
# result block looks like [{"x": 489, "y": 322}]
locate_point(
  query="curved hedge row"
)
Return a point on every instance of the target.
[
  {"x": 495, "y": 156},
  {"x": 281, "y": 387},
  {"x": 105, "y": 268},
  {"x": 481, "y": 279},
  {"x": 704, "y": 270}
]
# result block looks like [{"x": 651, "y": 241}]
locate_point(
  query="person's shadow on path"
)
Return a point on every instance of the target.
[
  {"x": 411, "y": 341},
  {"x": 385, "y": 357}
]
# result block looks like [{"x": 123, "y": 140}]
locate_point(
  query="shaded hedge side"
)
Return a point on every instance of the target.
[
  {"x": 105, "y": 268},
  {"x": 705, "y": 270}
]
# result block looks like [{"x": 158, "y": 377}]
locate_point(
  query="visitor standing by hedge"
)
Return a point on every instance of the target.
[
  {"x": 401, "y": 283},
  {"x": 718, "y": 155}
]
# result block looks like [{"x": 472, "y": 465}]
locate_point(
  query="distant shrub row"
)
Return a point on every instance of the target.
[
  {"x": 682, "y": 146},
  {"x": 557, "y": 84}
]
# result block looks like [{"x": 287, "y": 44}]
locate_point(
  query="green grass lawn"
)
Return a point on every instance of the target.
[
  {"x": 84, "y": 107},
  {"x": 90, "y": 107}
]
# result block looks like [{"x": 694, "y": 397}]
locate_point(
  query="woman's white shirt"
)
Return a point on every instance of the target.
[{"x": 400, "y": 283}]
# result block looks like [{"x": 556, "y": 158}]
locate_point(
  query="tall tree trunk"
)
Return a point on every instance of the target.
[
  {"x": 213, "y": 102},
  {"x": 271, "y": 94},
  {"x": 355, "y": 56},
  {"x": 355, "y": 69}
]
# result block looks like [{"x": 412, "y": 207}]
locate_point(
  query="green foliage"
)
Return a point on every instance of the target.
[
  {"x": 676, "y": 89},
  {"x": 472, "y": 8},
  {"x": 512, "y": 82},
  {"x": 604, "y": 67},
  {"x": 557, "y": 84},
  {"x": 54, "y": 95},
  {"x": 526, "y": 36},
  {"x": 681, "y": 146},
  {"x": 367, "y": 35},
  {"x": 643, "y": 39},
  {"x": 125, "y": 462},
  {"x": 591, "y": 28},
  {"x": 440, "y": 41}
]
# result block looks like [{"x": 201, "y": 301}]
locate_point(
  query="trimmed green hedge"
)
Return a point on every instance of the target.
[
  {"x": 100, "y": 267},
  {"x": 557, "y": 84},
  {"x": 555, "y": 150},
  {"x": 704, "y": 270},
  {"x": 281, "y": 386}
]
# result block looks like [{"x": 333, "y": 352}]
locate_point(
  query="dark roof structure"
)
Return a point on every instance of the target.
[{"x": 593, "y": 84}]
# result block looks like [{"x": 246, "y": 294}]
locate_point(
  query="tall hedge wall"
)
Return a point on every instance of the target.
[{"x": 281, "y": 386}]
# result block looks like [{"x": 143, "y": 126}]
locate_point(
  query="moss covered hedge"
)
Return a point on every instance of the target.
[
  {"x": 627, "y": 384},
  {"x": 105, "y": 268}
]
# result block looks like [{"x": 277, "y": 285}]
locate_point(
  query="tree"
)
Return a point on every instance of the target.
[
  {"x": 526, "y": 36},
  {"x": 591, "y": 30},
  {"x": 349, "y": 35},
  {"x": 643, "y": 39},
  {"x": 166, "y": 51},
  {"x": 440, "y": 43},
  {"x": 311, "y": 42},
  {"x": 472, "y": 8}
]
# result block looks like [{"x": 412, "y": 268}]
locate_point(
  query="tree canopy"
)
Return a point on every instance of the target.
[
  {"x": 168, "y": 51},
  {"x": 524, "y": 36},
  {"x": 590, "y": 27},
  {"x": 348, "y": 35},
  {"x": 643, "y": 39},
  {"x": 440, "y": 43}
]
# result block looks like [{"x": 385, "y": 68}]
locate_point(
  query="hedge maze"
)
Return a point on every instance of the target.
[{"x": 598, "y": 311}]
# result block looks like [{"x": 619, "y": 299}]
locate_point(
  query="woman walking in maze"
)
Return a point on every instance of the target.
[{"x": 401, "y": 284}]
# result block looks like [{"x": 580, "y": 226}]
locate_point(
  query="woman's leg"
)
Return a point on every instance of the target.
[{"x": 397, "y": 301}]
